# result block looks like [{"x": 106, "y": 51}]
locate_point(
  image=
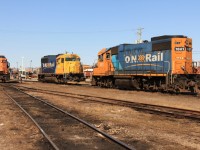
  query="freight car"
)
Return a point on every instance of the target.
[
  {"x": 4, "y": 69},
  {"x": 61, "y": 68},
  {"x": 163, "y": 64}
]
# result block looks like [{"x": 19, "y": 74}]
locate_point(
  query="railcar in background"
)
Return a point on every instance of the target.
[
  {"x": 4, "y": 69},
  {"x": 61, "y": 68},
  {"x": 163, "y": 64}
]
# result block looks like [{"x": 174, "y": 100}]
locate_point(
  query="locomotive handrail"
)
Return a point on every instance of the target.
[
  {"x": 168, "y": 66},
  {"x": 168, "y": 70}
]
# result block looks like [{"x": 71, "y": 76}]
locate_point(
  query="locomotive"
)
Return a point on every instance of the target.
[
  {"x": 163, "y": 64},
  {"x": 4, "y": 69},
  {"x": 61, "y": 68}
]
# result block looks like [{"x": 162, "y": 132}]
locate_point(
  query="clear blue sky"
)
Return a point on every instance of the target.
[{"x": 34, "y": 28}]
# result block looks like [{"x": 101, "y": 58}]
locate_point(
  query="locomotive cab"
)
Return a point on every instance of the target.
[
  {"x": 104, "y": 71},
  {"x": 68, "y": 63},
  {"x": 69, "y": 68},
  {"x": 103, "y": 67}
]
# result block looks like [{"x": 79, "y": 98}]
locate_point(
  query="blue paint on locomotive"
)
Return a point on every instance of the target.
[
  {"x": 140, "y": 59},
  {"x": 48, "y": 64},
  {"x": 116, "y": 63}
]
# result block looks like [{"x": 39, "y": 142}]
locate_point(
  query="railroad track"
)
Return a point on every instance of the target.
[
  {"x": 89, "y": 85},
  {"x": 149, "y": 108},
  {"x": 60, "y": 128}
]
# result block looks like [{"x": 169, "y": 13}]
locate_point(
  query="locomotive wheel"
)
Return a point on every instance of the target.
[
  {"x": 110, "y": 84},
  {"x": 177, "y": 91},
  {"x": 192, "y": 89},
  {"x": 94, "y": 82}
]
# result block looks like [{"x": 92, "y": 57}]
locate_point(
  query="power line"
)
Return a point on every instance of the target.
[{"x": 65, "y": 32}]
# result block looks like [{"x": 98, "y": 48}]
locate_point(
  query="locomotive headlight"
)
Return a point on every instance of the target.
[{"x": 189, "y": 49}]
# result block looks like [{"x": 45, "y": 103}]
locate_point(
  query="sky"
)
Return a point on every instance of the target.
[{"x": 31, "y": 29}]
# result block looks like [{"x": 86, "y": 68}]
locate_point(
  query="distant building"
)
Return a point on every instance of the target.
[
  {"x": 88, "y": 71},
  {"x": 25, "y": 73}
]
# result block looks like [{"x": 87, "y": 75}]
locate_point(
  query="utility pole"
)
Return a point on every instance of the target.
[
  {"x": 17, "y": 66},
  {"x": 22, "y": 63},
  {"x": 30, "y": 66},
  {"x": 139, "y": 35}
]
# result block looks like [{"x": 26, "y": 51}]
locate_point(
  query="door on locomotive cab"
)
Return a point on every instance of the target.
[
  {"x": 62, "y": 66},
  {"x": 108, "y": 61},
  {"x": 108, "y": 64}
]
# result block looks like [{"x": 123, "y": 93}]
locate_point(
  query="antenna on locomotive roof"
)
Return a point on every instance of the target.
[{"x": 139, "y": 35}]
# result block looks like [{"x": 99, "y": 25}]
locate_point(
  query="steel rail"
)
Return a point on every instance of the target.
[
  {"x": 38, "y": 126},
  {"x": 191, "y": 114},
  {"x": 122, "y": 144}
]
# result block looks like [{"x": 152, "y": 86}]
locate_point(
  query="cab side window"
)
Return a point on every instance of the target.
[
  {"x": 107, "y": 55},
  {"x": 100, "y": 58},
  {"x": 62, "y": 60},
  {"x": 58, "y": 61}
]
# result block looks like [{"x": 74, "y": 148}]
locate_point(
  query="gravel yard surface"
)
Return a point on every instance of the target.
[
  {"x": 17, "y": 131},
  {"x": 142, "y": 130}
]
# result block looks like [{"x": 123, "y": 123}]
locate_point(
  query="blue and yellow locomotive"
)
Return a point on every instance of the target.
[{"x": 61, "y": 68}]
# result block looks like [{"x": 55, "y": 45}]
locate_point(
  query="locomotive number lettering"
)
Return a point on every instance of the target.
[
  {"x": 48, "y": 65},
  {"x": 179, "y": 48}
]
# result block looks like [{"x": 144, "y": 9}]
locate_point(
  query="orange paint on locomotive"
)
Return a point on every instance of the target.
[
  {"x": 4, "y": 69},
  {"x": 182, "y": 56},
  {"x": 4, "y": 66},
  {"x": 104, "y": 64}
]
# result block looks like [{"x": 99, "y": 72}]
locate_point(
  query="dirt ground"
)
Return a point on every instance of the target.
[
  {"x": 142, "y": 130},
  {"x": 16, "y": 129},
  {"x": 173, "y": 100}
]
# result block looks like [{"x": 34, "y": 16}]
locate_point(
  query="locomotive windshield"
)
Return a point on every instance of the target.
[{"x": 72, "y": 59}]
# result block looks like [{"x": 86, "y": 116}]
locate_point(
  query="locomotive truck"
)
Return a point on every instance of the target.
[{"x": 163, "y": 64}]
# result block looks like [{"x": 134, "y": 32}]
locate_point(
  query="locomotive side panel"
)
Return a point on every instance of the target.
[
  {"x": 48, "y": 66},
  {"x": 139, "y": 59}
]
